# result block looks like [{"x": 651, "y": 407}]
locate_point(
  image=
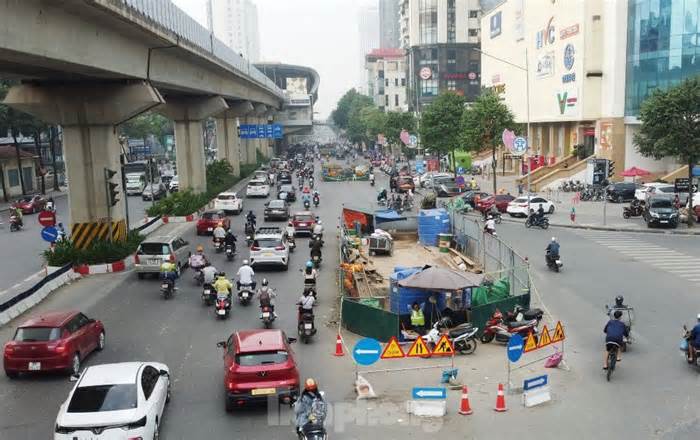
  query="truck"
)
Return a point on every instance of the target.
[{"x": 137, "y": 175}]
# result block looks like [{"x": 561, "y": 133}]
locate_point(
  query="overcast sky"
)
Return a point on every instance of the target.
[{"x": 317, "y": 33}]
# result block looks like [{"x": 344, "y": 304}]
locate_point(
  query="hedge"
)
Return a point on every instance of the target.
[{"x": 99, "y": 251}]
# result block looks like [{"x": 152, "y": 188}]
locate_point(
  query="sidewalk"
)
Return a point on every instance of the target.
[{"x": 63, "y": 192}]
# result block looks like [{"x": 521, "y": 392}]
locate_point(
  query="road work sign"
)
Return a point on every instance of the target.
[
  {"x": 392, "y": 350},
  {"x": 558, "y": 333},
  {"x": 429, "y": 393},
  {"x": 530, "y": 343},
  {"x": 418, "y": 349},
  {"x": 444, "y": 347},
  {"x": 544, "y": 338},
  {"x": 366, "y": 351}
]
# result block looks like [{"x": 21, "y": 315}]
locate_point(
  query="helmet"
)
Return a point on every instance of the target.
[
  {"x": 264, "y": 282},
  {"x": 698, "y": 316},
  {"x": 245, "y": 262},
  {"x": 554, "y": 239},
  {"x": 200, "y": 248},
  {"x": 221, "y": 224},
  {"x": 309, "y": 264},
  {"x": 619, "y": 300},
  {"x": 222, "y": 274},
  {"x": 310, "y": 385},
  {"x": 319, "y": 222}
]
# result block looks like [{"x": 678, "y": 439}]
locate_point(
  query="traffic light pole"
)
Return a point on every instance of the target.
[{"x": 109, "y": 204}]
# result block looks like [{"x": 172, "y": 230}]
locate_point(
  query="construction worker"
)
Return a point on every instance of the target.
[{"x": 417, "y": 318}]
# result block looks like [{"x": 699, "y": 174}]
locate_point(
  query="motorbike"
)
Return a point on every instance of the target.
[
  {"x": 315, "y": 238},
  {"x": 316, "y": 259},
  {"x": 317, "y": 200},
  {"x": 292, "y": 243},
  {"x": 245, "y": 294},
  {"x": 371, "y": 181},
  {"x": 15, "y": 224},
  {"x": 307, "y": 204},
  {"x": 553, "y": 262},
  {"x": 167, "y": 288},
  {"x": 218, "y": 245},
  {"x": 312, "y": 431},
  {"x": 533, "y": 220},
  {"x": 632, "y": 211},
  {"x": 462, "y": 337},
  {"x": 199, "y": 277},
  {"x": 311, "y": 182},
  {"x": 501, "y": 330},
  {"x": 381, "y": 202},
  {"x": 223, "y": 305},
  {"x": 230, "y": 252},
  {"x": 696, "y": 352},
  {"x": 495, "y": 216},
  {"x": 267, "y": 316},
  {"x": 520, "y": 313},
  {"x": 249, "y": 232},
  {"x": 306, "y": 327},
  {"x": 208, "y": 295}
]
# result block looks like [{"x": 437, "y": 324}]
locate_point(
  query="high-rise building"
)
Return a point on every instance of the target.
[
  {"x": 235, "y": 22},
  {"x": 388, "y": 24},
  {"x": 368, "y": 28},
  {"x": 440, "y": 37},
  {"x": 386, "y": 72}
]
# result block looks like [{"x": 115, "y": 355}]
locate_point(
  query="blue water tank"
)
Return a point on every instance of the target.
[
  {"x": 431, "y": 223},
  {"x": 401, "y": 298}
]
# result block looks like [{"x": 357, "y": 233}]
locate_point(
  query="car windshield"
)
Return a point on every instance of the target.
[
  {"x": 661, "y": 204},
  {"x": 667, "y": 189},
  {"x": 226, "y": 197},
  {"x": 286, "y": 188},
  {"x": 103, "y": 398},
  {"x": 210, "y": 216},
  {"x": 36, "y": 334},
  {"x": 520, "y": 200},
  {"x": 261, "y": 358},
  {"x": 24, "y": 200},
  {"x": 255, "y": 183},
  {"x": 303, "y": 218},
  {"x": 267, "y": 243},
  {"x": 154, "y": 249},
  {"x": 276, "y": 204}
]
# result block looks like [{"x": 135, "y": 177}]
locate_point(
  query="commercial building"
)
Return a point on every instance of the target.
[
  {"x": 235, "y": 22},
  {"x": 10, "y": 184},
  {"x": 386, "y": 72},
  {"x": 440, "y": 37},
  {"x": 388, "y": 24},
  {"x": 368, "y": 29}
]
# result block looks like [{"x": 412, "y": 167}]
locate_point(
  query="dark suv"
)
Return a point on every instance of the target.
[
  {"x": 621, "y": 191},
  {"x": 659, "y": 211}
]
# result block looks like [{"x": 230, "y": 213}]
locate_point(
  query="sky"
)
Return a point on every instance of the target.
[{"x": 321, "y": 34}]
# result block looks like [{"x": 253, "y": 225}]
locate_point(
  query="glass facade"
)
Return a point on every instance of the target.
[
  {"x": 663, "y": 47},
  {"x": 428, "y": 21}
]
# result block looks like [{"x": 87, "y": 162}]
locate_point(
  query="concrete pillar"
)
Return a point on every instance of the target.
[
  {"x": 188, "y": 113},
  {"x": 261, "y": 119},
  {"x": 88, "y": 114},
  {"x": 270, "y": 142},
  {"x": 229, "y": 140}
]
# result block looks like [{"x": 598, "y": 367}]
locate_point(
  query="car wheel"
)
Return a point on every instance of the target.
[
  {"x": 101, "y": 340},
  {"x": 228, "y": 404},
  {"x": 75, "y": 364},
  {"x": 168, "y": 395},
  {"x": 11, "y": 374},
  {"x": 618, "y": 199},
  {"x": 551, "y": 209}
]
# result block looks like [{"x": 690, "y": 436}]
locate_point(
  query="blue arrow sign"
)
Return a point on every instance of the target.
[
  {"x": 429, "y": 393},
  {"x": 515, "y": 347},
  {"x": 535, "y": 382},
  {"x": 367, "y": 351},
  {"x": 49, "y": 234},
  {"x": 277, "y": 131}
]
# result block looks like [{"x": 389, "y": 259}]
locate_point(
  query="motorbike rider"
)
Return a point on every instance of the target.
[
  {"x": 306, "y": 303},
  {"x": 306, "y": 195},
  {"x": 382, "y": 195},
  {"x": 371, "y": 176},
  {"x": 230, "y": 239},
  {"x": 222, "y": 285},
  {"x": 490, "y": 226},
  {"x": 290, "y": 230},
  {"x": 310, "y": 407},
  {"x": 694, "y": 340},
  {"x": 620, "y": 305},
  {"x": 317, "y": 197},
  {"x": 18, "y": 214},
  {"x": 245, "y": 276},
  {"x": 310, "y": 272},
  {"x": 209, "y": 273},
  {"x": 250, "y": 217},
  {"x": 266, "y": 295},
  {"x": 197, "y": 260},
  {"x": 219, "y": 232},
  {"x": 61, "y": 232},
  {"x": 615, "y": 331},
  {"x": 318, "y": 228},
  {"x": 168, "y": 271},
  {"x": 552, "y": 250},
  {"x": 539, "y": 215}
]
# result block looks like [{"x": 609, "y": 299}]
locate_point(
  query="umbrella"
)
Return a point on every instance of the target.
[
  {"x": 635, "y": 172},
  {"x": 438, "y": 278}
]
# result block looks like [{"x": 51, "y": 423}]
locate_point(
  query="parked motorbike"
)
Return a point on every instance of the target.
[
  {"x": 245, "y": 294},
  {"x": 306, "y": 327},
  {"x": 15, "y": 224},
  {"x": 520, "y": 313},
  {"x": 462, "y": 337},
  {"x": 167, "y": 288},
  {"x": 553, "y": 262},
  {"x": 267, "y": 316},
  {"x": 208, "y": 295},
  {"x": 230, "y": 252},
  {"x": 501, "y": 330},
  {"x": 223, "y": 305},
  {"x": 534, "y": 220},
  {"x": 634, "y": 210}
]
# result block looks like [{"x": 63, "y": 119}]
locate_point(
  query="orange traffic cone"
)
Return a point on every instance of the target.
[
  {"x": 339, "y": 346},
  {"x": 500, "y": 399},
  {"x": 464, "y": 407}
]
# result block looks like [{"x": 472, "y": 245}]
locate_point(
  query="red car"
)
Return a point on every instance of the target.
[
  {"x": 56, "y": 341},
  {"x": 501, "y": 201},
  {"x": 210, "y": 220},
  {"x": 30, "y": 204},
  {"x": 304, "y": 222},
  {"x": 259, "y": 364}
]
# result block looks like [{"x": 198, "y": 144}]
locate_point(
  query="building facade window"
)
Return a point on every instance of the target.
[
  {"x": 451, "y": 60},
  {"x": 473, "y": 14},
  {"x": 451, "y": 22},
  {"x": 429, "y": 87},
  {"x": 473, "y": 32},
  {"x": 663, "y": 47},
  {"x": 451, "y": 85},
  {"x": 396, "y": 100},
  {"x": 13, "y": 177},
  {"x": 396, "y": 82},
  {"x": 386, "y": 82},
  {"x": 403, "y": 82},
  {"x": 386, "y": 100},
  {"x": 428, "y": 21}
]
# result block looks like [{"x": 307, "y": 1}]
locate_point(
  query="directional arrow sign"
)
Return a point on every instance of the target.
[
  {"x": 515, "y": 347},
  {"x": 367, "y": 351},
  {"x": 429, "y": 393}
]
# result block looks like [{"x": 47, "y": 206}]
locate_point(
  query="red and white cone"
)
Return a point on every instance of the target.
[
  {"x": 464, "y": 407},
  {"x": 500, "y": 400},
  {"x": 339, "y": 346}
]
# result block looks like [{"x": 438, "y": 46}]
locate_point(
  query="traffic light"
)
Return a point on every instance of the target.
[
  {"x": 611, "y": 168},
  {"x": 111, "y": 187}
]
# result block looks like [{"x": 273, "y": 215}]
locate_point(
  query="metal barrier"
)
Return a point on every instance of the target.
[{"x": 369, "y": 321}]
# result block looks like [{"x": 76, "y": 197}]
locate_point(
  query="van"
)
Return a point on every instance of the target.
[{"x": 154, "y": 251}]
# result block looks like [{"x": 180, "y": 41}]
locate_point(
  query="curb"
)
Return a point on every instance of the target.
[
  {"x": 117, "y": 266},
  {"x": 612, "y": 228},
  {"x": 185, "y": 219}
]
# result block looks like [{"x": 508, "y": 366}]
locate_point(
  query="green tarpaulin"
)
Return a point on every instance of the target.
[{"x": 486, "y": 294}]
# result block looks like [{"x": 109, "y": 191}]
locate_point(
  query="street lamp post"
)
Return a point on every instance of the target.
[{"x": 525, "y": 69}]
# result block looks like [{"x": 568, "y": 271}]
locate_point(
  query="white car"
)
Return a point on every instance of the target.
[
  {"x": 228, "y": 202},
  {"x": 270, "y": 247},
  {"x": 174, "y": 185},
  {"x": 257, "y": 188},
  {"x": 518, "y": 207},
  {"x": 262, "y": 175},
  {"x": 115, "y": 401},
  {"x": 654, "y": 188},
  {"x": 426, "y": 180}
]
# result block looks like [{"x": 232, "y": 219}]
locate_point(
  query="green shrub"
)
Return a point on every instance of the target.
[{"x": 99, "y": 251}]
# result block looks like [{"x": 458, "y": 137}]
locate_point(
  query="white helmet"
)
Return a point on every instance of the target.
[
  {"x": 698, "y": 316},
  {"x": 245, "y": 262},
  {"x": 319, "y": 222},
  {"x": 554, "y": 239}
]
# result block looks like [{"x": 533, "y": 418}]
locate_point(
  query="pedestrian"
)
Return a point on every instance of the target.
[
  {"x": 520, "y": 189},
  {"x": 676, "y": 201},
  {"x": 573, "y": 215}
]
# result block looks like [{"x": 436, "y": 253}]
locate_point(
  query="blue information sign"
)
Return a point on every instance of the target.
[
  {"x": 367, "y": 351},
  {"x": 515, "y": 347},
  {"x": 429, "y": 393},
  {"x": 49, "y": 234},
  {"x": 277, "y": 131},
  {"x": 535, "y": 382}
]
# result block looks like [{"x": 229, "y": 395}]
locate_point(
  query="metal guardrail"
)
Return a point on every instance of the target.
[{"x": 167, "y": 15}]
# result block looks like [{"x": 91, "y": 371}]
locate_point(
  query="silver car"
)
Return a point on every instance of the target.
[{"x": 154, "y": 251}]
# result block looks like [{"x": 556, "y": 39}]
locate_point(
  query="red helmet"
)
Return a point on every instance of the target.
[{"x": 306, "y": 189}]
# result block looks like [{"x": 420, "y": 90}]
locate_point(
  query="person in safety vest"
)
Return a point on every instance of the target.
[{"x": 417, "y": 319}]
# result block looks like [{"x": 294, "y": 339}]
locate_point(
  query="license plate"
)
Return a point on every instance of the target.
[
  {"x": 164, "y": 286},
  {"x": 559, "y": 262},
  {"x": 210, "y": 229},
  {"x": 154, "y": 262},
  {"x": 303, "y": 224},
  {"x": 664, "y": 221},
  {"x": 266, "y": 314},
  {"x": 221, "y": 312},
  {"x": 308, "y": 326},
  {"x": 245, "y": 295},
  {"x": 207, "y": 292},
  {"x": 262, "y": 391},
  {"x": 34, "y": 366},
  {"x": 268, "y": 254}
]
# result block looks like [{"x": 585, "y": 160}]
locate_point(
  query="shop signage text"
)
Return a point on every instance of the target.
[
  {"x": 459, "y": 75},
  {"x": 546, "y": 36},
  {"x": 569, "y": 31},
  {"x": 569, "y": 77},
  {"x": 566, "y": 102},
  {"x": 545, "y": 65}
]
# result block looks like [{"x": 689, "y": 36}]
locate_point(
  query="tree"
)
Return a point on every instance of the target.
[
  {"x": 671, "y": 128},
  {"x": 341, "y": 114},
  {"x": 483, "y": 123},
  {"x": 147, "y": 124},
  {"x": 440, "y": 124},
  {"x": 397, "y": 122},
  {"x": 374, "y": 121},
  {"x": 357, "y": 128}
]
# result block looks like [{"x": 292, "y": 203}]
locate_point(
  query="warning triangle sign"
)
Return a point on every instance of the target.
[
  {"x": 418, "y": 349},
  {"x": 392, "y": 350},
  {"x": 544, "y": 338},
  {"x": 530, "y": 343},
  {"x": 558, "y": 333},
  {"x": 444, "y": 347}
]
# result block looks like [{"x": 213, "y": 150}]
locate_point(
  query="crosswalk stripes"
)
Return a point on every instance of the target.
[{"x": 668, "y": 260}]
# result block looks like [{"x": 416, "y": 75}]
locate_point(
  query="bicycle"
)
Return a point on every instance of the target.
[{"x": 612, "y": 347}]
